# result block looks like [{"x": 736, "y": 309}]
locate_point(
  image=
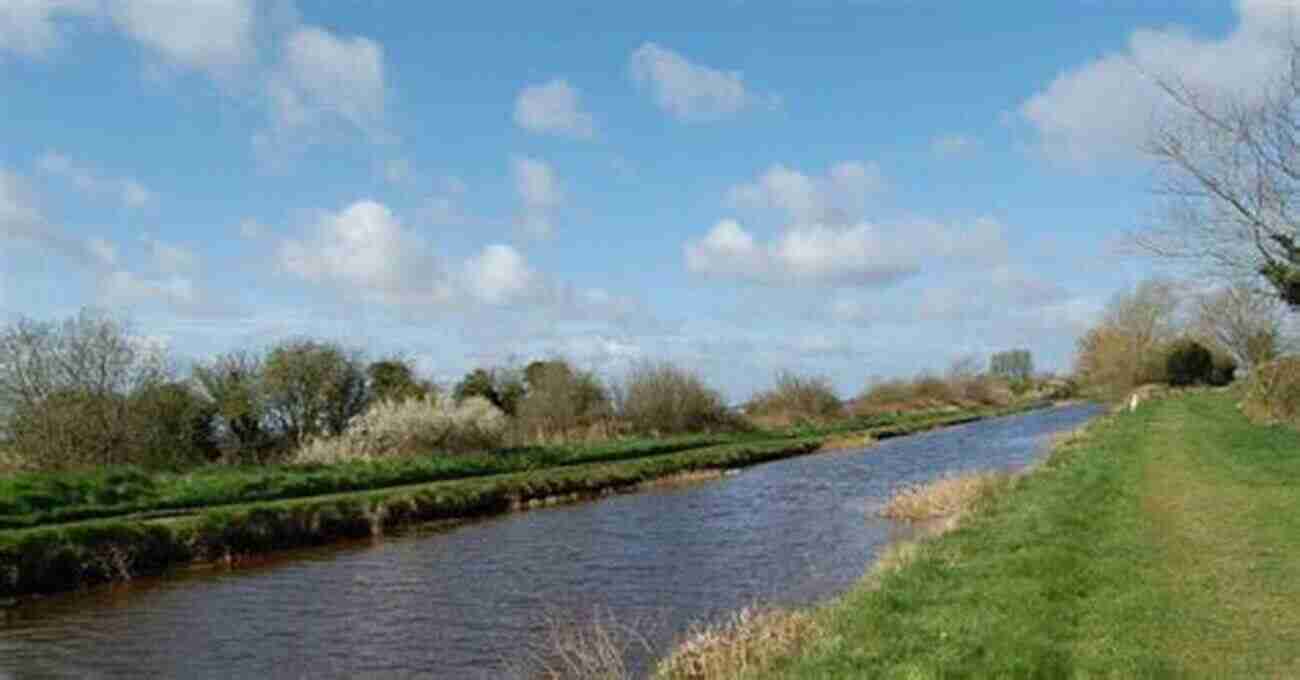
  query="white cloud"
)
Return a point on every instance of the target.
[
  {"x": 954, "y": 144},
  {"x": 686, "y": 90},
  {"x": 212, "y": 35},
  {"x": 553, "y": 108},
  {"x": 862, "y": 254},
  {"x": 498, "y": 274},
  {"x": 366, "y": 252},
  {"x": 321, "y": 82},
  {"x": 809, "y": 254},
  {"x": 1103, "y": 108},
  {"x": 33, "y": 27},
  {"x": 838, "y": 197},
  {"x": 92, "y": 182},
  {"x": 540, "y": 195}
]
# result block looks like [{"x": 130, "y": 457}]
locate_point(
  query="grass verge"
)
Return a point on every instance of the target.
[{"x": 1161, "y": 543}]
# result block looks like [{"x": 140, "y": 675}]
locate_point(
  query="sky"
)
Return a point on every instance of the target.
[{"x": 857, "y": 189}]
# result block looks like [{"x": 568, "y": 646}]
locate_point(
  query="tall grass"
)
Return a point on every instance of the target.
[{"x": 948, "y": 496}]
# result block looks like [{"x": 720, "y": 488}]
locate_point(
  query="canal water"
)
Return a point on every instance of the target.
[{"x": 469, "y": 601}]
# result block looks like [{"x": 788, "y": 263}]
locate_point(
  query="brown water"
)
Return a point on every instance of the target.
[{"x": 462, "y": 602}]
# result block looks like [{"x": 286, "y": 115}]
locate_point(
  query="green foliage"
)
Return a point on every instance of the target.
[
  {"x": 232, "y": 383},
  {"x": 1189, "y": 363},
  {"x": 503, "y": 388},
  {"x": 313, "y": 388},
  {"x": 172, "y": 426},
  {"x": 394, "y": 380}
]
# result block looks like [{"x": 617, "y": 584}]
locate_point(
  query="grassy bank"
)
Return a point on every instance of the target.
[
  {"x": 67, "y": 531},
  {"x": 1163, "y": 543}
]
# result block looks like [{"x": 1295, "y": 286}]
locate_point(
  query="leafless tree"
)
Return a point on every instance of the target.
[
  {"x": 64, "y": 387},
  {"x": 1229, "y": 176},
  {"x": 1242, "y": 321}
]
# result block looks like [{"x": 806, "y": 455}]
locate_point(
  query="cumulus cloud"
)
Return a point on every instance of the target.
[
  {"x": 863, "y": 254},
  {"x": 23, "y": 221},
  {"x": 498, "y": 274},
  {"x": 364, "y": 250},
  {"x": 839, "y": 196},
  {"x": 126, "y": 190},
  {"x": 540, "y": 195},
  {"x": 553, "y": 108},
  {"x": 688, "y": 91},
  {"x": 856, "y": 256},
  {"x": 1103, "y": 108}
]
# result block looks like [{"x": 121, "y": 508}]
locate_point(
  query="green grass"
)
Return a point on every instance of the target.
[{"x": 1165, "y": 544}]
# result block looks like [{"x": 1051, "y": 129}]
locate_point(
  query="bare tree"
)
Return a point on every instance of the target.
[
  {"x": 1229, "y": 175},
  {"x": 1123, "y": 350},
  {"x": 1242, "y": 321},
  {"x": 65, "y": 387}
]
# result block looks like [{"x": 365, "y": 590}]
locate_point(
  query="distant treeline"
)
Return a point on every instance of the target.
[{"x": 88, "y": 391}]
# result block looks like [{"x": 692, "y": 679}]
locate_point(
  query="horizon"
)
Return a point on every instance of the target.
[{"x": 856, "y": 190}]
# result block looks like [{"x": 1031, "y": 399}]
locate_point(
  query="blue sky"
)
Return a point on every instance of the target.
[{"x": 853, "y": 189}]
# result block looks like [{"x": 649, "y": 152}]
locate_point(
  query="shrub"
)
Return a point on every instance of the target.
[
  {"x": 665, "y": 399},
  {"x": 413, "y": 427},
  {"x": 1189, "y": 363},
  {"x": 1273, "y": 392},
  {"x": 795, "y": 399},
  {"x": 172, "y": 426},
  {"x": 560, "y": 399}
]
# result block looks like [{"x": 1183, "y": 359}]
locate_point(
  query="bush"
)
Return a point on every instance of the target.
[
  {"x": 1273, "y": 392},
  {"x": 1189, "y": 363},
  {"x": 665, "y": 399},
  {"x": 560, "y": 399},
  {"x": 172, "y": 426},
  {"x": 797, "y": 399},
  {"x": 413, "y": 427}
]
